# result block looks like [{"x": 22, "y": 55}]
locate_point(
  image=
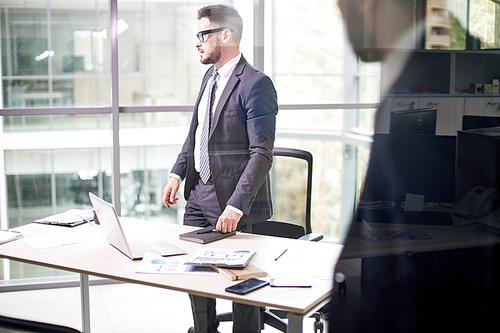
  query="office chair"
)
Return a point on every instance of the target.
[
  {"x": 288, "y": 171},
  {"x": 284, "y": 175},
  {"x": 9, "y": 324}
]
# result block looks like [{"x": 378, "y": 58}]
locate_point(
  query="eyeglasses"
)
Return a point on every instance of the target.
[{"x": 201, "y": 34}]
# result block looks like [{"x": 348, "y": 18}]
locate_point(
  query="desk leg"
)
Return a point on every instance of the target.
[
  {"x": 85, "y": 301},
  {"x": 295, "y": 323}
]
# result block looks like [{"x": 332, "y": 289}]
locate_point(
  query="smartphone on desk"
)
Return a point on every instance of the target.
[{"x": 247, "y": 286}]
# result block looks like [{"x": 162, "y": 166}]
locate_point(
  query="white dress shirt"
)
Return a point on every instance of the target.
[{"x": 224, "y": 74}]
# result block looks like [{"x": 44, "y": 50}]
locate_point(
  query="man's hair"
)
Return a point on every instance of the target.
[{"x": 224, "y": 15}]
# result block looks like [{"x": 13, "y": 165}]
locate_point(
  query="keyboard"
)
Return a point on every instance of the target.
[
  {"x": 140, "y": 247},
  {"x": 391, "y": 215}
]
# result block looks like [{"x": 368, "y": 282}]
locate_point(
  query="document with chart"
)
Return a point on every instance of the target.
[
  {"x": 154, "y": 263},
  {"x": 221, "y": 257}
]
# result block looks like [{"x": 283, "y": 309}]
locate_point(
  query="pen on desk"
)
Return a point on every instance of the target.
[
  {"x": 206, "y": 231},
  {"x": 282, "y": 253}
]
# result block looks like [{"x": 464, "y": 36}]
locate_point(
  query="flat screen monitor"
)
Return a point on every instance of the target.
[
  {"x": 416, "y": 121},
  {"x": 415, "y": 164},
  {"x": 473, "y": 122}
]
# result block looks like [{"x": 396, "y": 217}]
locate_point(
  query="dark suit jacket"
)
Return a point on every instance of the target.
[{"x": 240, "y": 145}]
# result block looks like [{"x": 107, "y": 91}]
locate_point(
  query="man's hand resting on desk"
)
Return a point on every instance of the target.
[
  {"x": 169, "y": 192},
  {"x": 228, "y": 221}
]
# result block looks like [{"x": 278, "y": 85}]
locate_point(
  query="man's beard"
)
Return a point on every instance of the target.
[{"x": 214, "y": 57}]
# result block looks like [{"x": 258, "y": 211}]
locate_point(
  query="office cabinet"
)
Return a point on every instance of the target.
[
  {"x": 450, "y": 111},
  {"x": 393, "y": 104},
  {"x": 483, "y": 106},
  {"x": 441, "y": 79}
]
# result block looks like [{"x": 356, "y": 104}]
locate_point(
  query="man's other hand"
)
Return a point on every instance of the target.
[{"x": 170, "y": 191}]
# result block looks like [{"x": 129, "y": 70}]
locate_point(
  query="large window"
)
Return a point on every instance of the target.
[
  {"x": 461, "y": 25},
  {"x": 75, "y": 120}
]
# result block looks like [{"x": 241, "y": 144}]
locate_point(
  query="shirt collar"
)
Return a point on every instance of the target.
[{"x": 226, "y": 70}]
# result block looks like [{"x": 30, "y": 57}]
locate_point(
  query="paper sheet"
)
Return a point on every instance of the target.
[
  {"x": 285, "y": 267},
  {"x": 9, "y": 235},
  {"x": 153, "y": 263},
  {"x": 58, "y": 239}
]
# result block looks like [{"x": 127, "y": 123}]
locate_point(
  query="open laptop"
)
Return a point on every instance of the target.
[{"x": 132, "y": 248}]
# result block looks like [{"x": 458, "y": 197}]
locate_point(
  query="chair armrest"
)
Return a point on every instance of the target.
[{"x": 313, "y": 237}]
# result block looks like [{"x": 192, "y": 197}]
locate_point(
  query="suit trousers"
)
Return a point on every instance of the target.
[{"x": 202, "y": 210}]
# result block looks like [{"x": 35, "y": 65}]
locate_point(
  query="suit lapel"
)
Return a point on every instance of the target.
[{"x": 231, "y": 84}]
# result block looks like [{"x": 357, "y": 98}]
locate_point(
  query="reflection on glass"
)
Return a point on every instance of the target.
[
  {"x": 45, "y": 51},
  {"x": 368, "y": 82},
  {"x": 461, "y": 25},
  {"x": 483, "y": 23}
]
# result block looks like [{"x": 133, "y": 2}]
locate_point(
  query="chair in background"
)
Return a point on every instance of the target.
[
  {"x": 9, "y": 324},
  {"x": 291, "y": 177}
]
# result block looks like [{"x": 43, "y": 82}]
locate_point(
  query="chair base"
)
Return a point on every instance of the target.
[{"x": 274, "y": 318}]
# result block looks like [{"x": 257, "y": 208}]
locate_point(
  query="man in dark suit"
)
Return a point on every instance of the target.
[{"x": 226, "y": 161}]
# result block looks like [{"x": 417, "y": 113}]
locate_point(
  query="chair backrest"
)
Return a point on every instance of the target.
[
  {"x": 291, "y": 177},
  {"x": 9, "y": 324}
]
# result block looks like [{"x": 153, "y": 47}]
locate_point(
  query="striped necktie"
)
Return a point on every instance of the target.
[{"x": 204, "y": 160}]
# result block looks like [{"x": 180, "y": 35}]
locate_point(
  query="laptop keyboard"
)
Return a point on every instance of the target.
[{"x": 140, "y": 247}]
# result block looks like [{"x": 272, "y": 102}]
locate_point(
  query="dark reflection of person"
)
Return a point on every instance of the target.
[
  {"x": 233, "y": 191},
  {"x": 413, "y": 292}
]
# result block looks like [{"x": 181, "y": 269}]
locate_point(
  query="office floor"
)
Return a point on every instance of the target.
[{"x": 124, "y": 307}]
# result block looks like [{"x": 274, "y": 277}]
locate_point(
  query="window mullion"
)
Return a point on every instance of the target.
[{"x": 115, "y": 115}]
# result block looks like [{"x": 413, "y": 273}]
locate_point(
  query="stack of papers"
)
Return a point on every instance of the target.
[
  {"x": 9, "y": 235},
  {"x": 70, "y": 218}
]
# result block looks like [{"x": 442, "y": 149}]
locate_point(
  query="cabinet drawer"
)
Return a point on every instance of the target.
[
  {"x": 482, "y": 106},
  {"x": 392, "y": 104},
  {"x": 449, "y": 113}
]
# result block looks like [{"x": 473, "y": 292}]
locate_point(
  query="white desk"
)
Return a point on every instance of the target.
[
  {"x": 98, "y": 258},
  {"x": 443, "y": 238}
]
